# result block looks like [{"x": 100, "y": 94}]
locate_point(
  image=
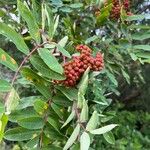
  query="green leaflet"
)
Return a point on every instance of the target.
[
  {"x": 50, "y": 60},
  {"x": 15, "y": 37},
  {"x": 30, "y": 20}
]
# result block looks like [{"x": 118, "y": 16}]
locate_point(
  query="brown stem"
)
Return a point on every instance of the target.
[
  {"x": 78, "y": 117},
  {"x": 24, "y": 60}
]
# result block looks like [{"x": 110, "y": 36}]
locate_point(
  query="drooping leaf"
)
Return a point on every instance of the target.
[
  {"x": 104, "y": 129},
  {"x": 4, "y": 86},
  {"x": 14, "y": 37},
  {"x": 71, "y": 116},
  {"x": 38, "y": 63},
  {"x": 50, "y": 60},
  {"x": 93, "y": 122},
  {"x": 12, "y": 100},
  {"x": 20, "y": 134},
  {"x": 8, "y": 61},
  {"x": 30, "y": 20},
  {"x": 72, "y": 138},
  {"x": 109, "y": 137},
  {"x": 31, "y": 123},
  {"x": 84, "y": 141}
]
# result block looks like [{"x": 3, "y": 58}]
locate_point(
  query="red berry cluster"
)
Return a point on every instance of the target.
[
  {"x": 75, "y": 68},
  {"x": 116, "y": 8}
]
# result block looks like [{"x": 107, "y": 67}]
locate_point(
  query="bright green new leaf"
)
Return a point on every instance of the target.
[
  {"x": 84, "y": 141},
  {"x": 39, "y": 64},
  {"x": 50, "y": 60},
  {"x": 71, "y": 116},
  {"x": 12, "y": 100},
  {"x": 73, "y": 137},
  {"x": 109, "y": 137},
  {"x": 4, "y": 86},
  {"x": 31, "y": 123},
  {"x": 85, "y": 112},
  {"x": 20, "y": 134},
  {"x": 14, "y": 37},
  {"x": 3, "y": 123},
  {"x": 104, "y": 129},
  {"x": 30, "y": 20},
  {"x": 40, "y": 106},
  {"x": 93, "y": 122}
]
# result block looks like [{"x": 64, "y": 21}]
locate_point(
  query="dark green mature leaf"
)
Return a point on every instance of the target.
[
  {"x": 57, "y": 109},
  {"x": 4, "y": 86},
  {"x": 70, "y": 93},
  {"x": 31, "y": 123},
  {"x": 30, "y": 20},
  {"x": 84, "y": 141},
  {"x": 27, "y": 102},
  {"x": 50, "y": 60},
  {"x": 109, "y": 137},
  {"x": 142, "y": 47},
  {"x": 33, "y": 143},
  {"x": 14, "y": 37},
  {"x": 55, "y": 124},
  {"x": 37, "y": 80},
  {"x": 73, "y": 137},
  {"x": 104, "y": 129},
  {"x": 8, "y": 61},
  {"x": 20, "y": 134},
  {"x": 38, "y": 63},
  {"x": 20, "y": 114}
]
